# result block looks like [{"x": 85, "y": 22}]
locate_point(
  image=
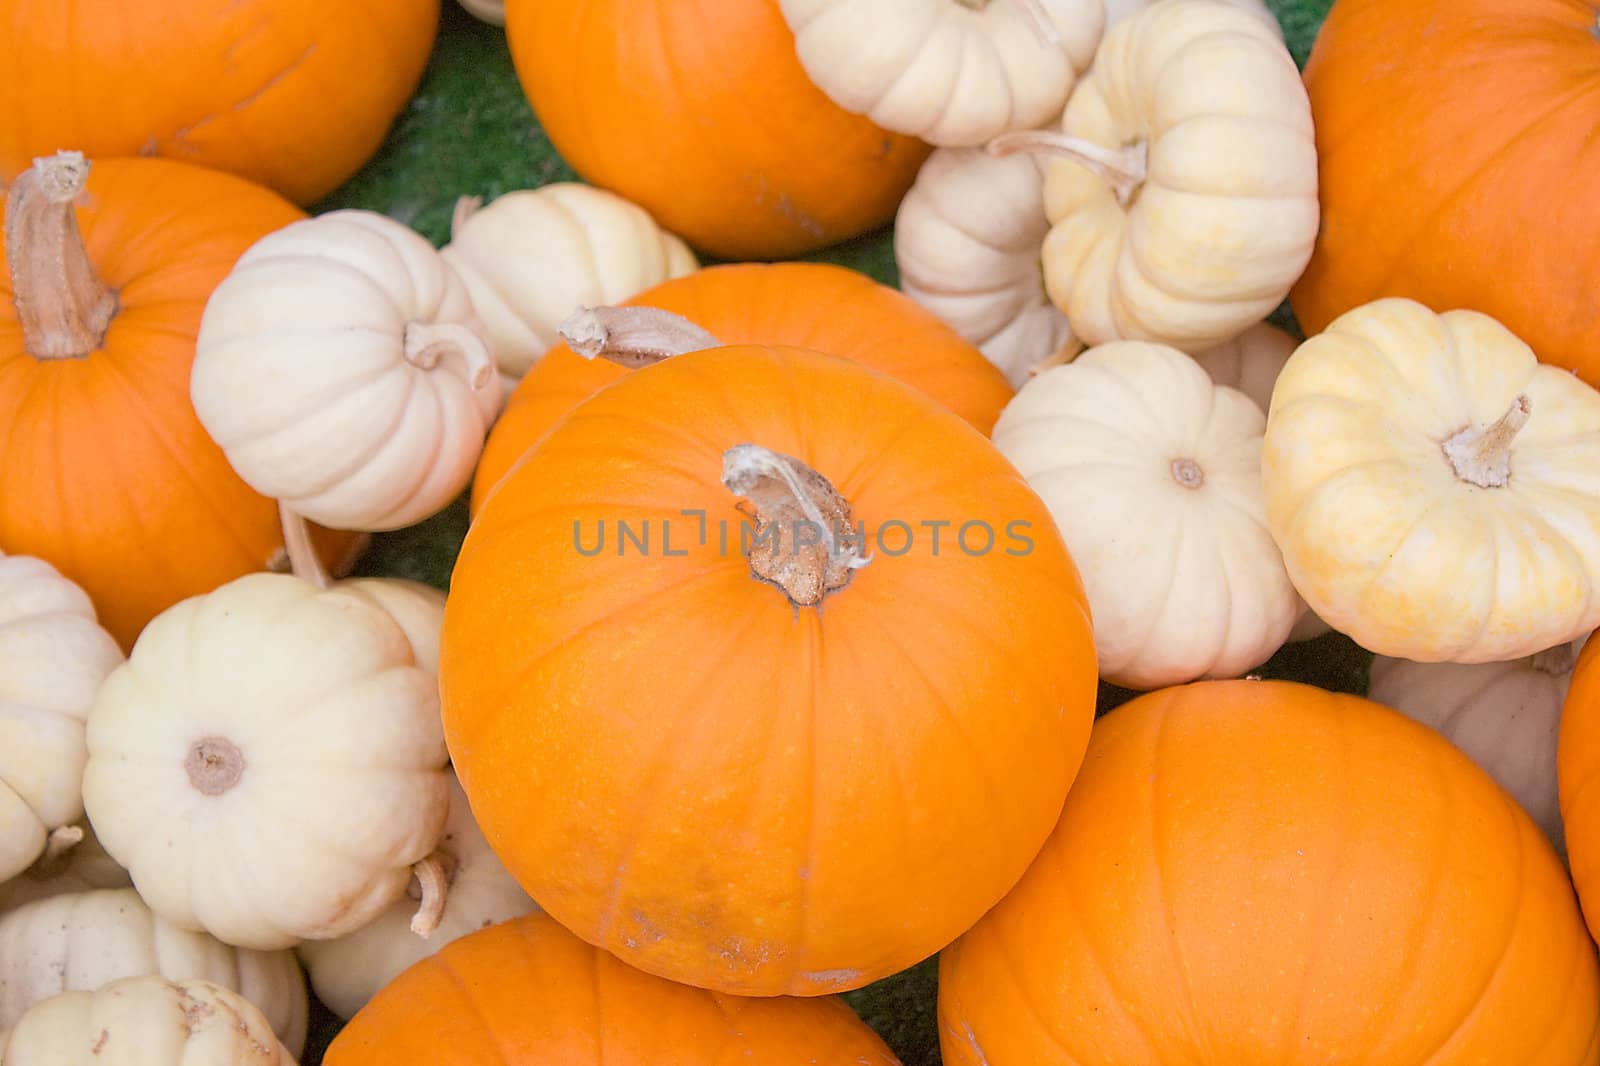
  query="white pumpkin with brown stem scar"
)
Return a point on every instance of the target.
[{"x": 1433, "y": 487}]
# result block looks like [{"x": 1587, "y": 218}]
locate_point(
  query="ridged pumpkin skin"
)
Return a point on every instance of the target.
[
  {"x": 1260, "y": 873},
  {"x": 1451, "y": 133},
  {"x": 528, "y": 993},
  {"x": 718, "y": 786},
  {"x": 701, "y": 114},
  {"x": 1577, "y": 766},
  {"x": 808, "y": 305},
  {"x": 293, "y": 94},
  {"x": 108, "y": 474}
]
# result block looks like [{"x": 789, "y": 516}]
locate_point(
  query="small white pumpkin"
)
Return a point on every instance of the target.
[
  {"x": 75, "y": 863},
  {"x": 491, "y": 11},
  {"x": 1117, "y": 10},
  {"x": 343, "y": 371},
  {"x": 81, "y": 941},
  {"x": 1152, "y": 473},
  {"x": 416, "y": 608},
  {"x": 53, "y": 657},
  {"x": 269, "y": 764},
  {"x": 532, "y": 257},
  {"x": 145, "y": 1021}
]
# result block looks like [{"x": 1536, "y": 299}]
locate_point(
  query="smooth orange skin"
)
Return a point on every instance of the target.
[
  {"x": 807, "y": 305},
  {"x": 1456, "y": 151},
  {"x": 701, "y": 114},
  {"x": 293, "y": 94},
  {"x": 108, "y": 473},
  {"x": 528, "y": 993},
  {"x": 1260, "y": 873},
  {"x": 721, "y": 788},
  {"x": 1577, "y": 766}
]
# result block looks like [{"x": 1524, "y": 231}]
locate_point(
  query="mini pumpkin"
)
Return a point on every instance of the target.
[
  {"x": 1433, "y": 487},
  {"x": 1577, "y": 765},
  {"x": 1117, "y": 10},
  {"x": 74, "y": 861}
]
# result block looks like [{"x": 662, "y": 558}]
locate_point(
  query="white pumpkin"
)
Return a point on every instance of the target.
[
  {"x": 145, "y": 1021},
  {"x": 1117, "y": 10},
  {"x": 343, "y": 371},
  {"x": 269, "y": 764},
  {"x": 78, "y": 864},
  {"x": 532, "y": 257},
  {"x": 1152, "y": 473},
  {"x": 416, "y": 608},
  {"x": 1250, "y": 362},
  {"x": 491, "y": 11},
  {"x": 81, "y": 941},
  {"x": 53, "y": 657}
]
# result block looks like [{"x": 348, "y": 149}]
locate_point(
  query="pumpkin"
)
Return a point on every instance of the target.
[
  {"x": 82, "y": 941},
  {"x": 53, "y": 656},
  {"x": 145, "y": 1021},
  {"x": 99, "y": 308},
  {"x": 1577, "y": 759},
  {"x": 416, "y": 608},
  {"x": 265, "y": 89},
  {"x": 349, "y": 971},
  {"x": 702, "y": 115},
  {"x": 1433, "y": 487},
  {"x": 1117, "y": 10},
  {"x": 268, "y": 764},
  {"x": 1506, "y": 716},
  {"x": 809, "y": 305},
  {"x": 1261, "y": 873},
  {"x": 953, "y": 74},
  {"x": 343, "y": 370},
  {"x": 469, "y": 1005},
  {"x": 1186, "y": 202},
  {"x": 1449, "y": 136},
  {"x": 74, "y": 862},
  {"x": 534, "y": 256},
  {"x": 700, "y": 814},
  {"x": 1250, "y": 362},
  {"x": 491, "y": 11}
]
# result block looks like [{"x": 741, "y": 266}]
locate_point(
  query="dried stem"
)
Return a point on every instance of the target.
[
  {"x": 434, "y": 881},
  {"x": 466, "y": 207},
  {"x": 427, "y": 344},
  {"x": 632, "y": 337},
  {"x": 1482, "y": 457},
  {"x": 1124, "y": 169},
  {"x": 1063, "y": 355},
  {"x": 61, "y": 840},
  {"x": 304, "y": 562}
]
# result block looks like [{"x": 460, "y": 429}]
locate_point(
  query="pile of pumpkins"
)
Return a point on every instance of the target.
[{"x": 769, "y": 664}]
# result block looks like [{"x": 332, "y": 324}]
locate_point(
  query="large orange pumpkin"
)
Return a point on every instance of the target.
[
  {"x": 293, "y": 94},
  {"x": 1457, "y": 161},
  {"x": 702, "y": 115},
  {"x": 1577, "y": 775},
  {"x": 105, "y": 471},
  {"x": 1261, "y": 873},
  {"x": 808, "y": 305},
  {"x": 751, "y": 764}
]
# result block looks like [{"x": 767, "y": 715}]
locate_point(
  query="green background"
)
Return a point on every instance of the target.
[{"x": 470, "y": 131}]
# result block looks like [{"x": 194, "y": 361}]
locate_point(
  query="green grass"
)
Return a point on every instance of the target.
[{"x": 469, "y": 131}]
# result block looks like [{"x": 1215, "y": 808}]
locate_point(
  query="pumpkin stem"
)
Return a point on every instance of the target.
[
  {"x": 632, "y": 337},
  {"x": 1482, "y": 457},
  {"x": 304, "y": 562},
  {"x": 62, "y": 304},
  {"x": 1187, "y": 473},
  {"x": 1060, "y": 357},
  {"x": 804, "y": 541},
  {"x": 429, "y": 343},
  {"x": 61, "y": 840},
  {"x": 434, "y": 881},
  {"x": 1124, "y": 169},
  {"x": 214, "y": 765},
  {"x": 466, "y": 207}
]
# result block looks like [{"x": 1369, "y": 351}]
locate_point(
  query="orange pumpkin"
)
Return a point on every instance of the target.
[
  {"x": 293, "y": 94},
  {"x": 108, "y": 474},
  {"x": 1577, "y": 770},
  {"x": 754, "y": 760},
  {"x": 807, "y": 305},
  {"x": 528, "y": 993},
  {"x": 701, "y": 114},
  {"x": 1260, "y": 873},
  {"x": 1457, "y": 154}
]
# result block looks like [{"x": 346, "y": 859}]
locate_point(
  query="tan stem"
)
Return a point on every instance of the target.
[
  {"x": 1124, "y": 169},
  {"x": 434, "y": 880},
  {"x": 62, "y": 839},
  {"x": 1482, "y": 457},
  {"x": 632, "y": 337},
  {"x": 63, "y": 306},
  {"x": 1060, "y": 357},
  {"x": 304, "y": 562},
  {"x": 427, "y": 344},
  {"x": 466, "y": 207}
]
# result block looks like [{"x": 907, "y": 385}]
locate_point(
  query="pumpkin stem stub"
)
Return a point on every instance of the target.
[
  {"x": 214, "y": 764},
  {"x": 63, "y": 306},
  {"x": 304, "y": 562},
  {"x": 427, "y": 344},
  {"x": 632, "y": 337},
  {"x": 1187, "y": 473},
  {"x": 465, "y": 208},
  {"x": 1070, "y": 350},
  {"x": 1124, "y": 169},
  {"x": 1482, "y": 457},
  {"x": 433, "y": 880},
  {"x": 61, "y": 840}
]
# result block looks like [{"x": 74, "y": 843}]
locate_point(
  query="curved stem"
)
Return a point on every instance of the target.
[
  {"x": 435, "y": 884},
  {"x": 304, "y": 562},
  {"x": 1070, "y": 350},
  {"x": 632, "y": 337},
  {"x": 1482, "y": 457},
  {"x": 62, "y": 839},
  {"x": 429, "y": 343},
  {"x": 465, "y": 208},
  {"x": 1124, "y": 169},
  {"x": 63, "y": 306}
]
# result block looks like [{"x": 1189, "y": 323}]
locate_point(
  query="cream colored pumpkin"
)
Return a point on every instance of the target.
[
  {"x": 145, "y": 1021},
  {"x": 77, "y": 864},
  {"x": 1152, "y": 473},
  {"x": 1506, "y": 716},
  {"x": 533, "y": 257},
  {"x": 1187, "y": 204},
  {"x": 82, "y": 941},
  {"x": 53, "y": 657},
  {"x": 951, "y": 72},
  {"x": 1117, "y": 10},
  {"x": 347, "y": 972},
  {"x": 342, "y": 369},
  {"x": 269, "y": 764},
  {"x": 491, "y": 11},
  {"x": 416, "y": 608},
  {"x": 1435, "y": 490}
]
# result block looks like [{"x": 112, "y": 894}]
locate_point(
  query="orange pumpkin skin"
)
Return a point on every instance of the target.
[
  {"x": 293, "y": 94},
  {"x": 807, "y": 305},
  {"x": 1260, "y": 873},
  {"x": 1452, "y": 134},
  {"x": 702, "y": 115},
  {"x": 108, "y": 474},
  {"x": 720, "y": 787},
  {"x": 528, "y": 993},
  {"x": 1577, "y": 766}
]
